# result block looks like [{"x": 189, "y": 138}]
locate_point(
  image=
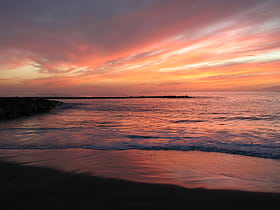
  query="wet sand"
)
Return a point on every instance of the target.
[
  {"x": 33, "y": 187},
  {"x": 187, "y": 169}
]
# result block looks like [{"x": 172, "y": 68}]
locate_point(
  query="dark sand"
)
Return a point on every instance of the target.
[{"x": 30, "y": 187}]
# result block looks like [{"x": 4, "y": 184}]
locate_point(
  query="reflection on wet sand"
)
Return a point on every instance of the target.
[
  {"x": 33, "y": 187},
  {"x": 188, "y": 169}
]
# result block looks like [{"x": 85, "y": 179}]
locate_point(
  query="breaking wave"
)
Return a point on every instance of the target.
[{"x": 204, "y": 148}]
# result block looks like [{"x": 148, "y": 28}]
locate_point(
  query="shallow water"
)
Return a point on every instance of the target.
[{"x": 236, "y": 123}]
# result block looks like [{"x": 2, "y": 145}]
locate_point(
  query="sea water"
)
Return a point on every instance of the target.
[
  {"x": 236, "y": 123},
  {"x": 215, "y": 140}
]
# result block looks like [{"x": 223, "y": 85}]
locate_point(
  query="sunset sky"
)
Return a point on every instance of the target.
[{"x": 120, "y": 47}]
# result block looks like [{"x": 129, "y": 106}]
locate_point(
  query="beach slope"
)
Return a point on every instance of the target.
[{"x": 30, "y": 187}]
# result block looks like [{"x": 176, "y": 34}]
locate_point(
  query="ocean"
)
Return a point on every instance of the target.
[{"x": 240, "y": 124}]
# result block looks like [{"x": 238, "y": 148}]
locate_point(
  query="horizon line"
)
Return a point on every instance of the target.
[{"x": 95, "y": 97}]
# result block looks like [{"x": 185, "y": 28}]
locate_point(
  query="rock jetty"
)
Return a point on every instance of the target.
[{"x": 13, "y": 107}]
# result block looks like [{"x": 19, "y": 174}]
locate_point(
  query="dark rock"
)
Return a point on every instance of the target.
[{"x": 13, "y": 107}]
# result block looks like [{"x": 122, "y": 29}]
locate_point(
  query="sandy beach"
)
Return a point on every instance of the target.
[
  {"x": 71, "y": 179},
  {"x": 191, "y": 169},
  {"x": 29, "y": 187}
]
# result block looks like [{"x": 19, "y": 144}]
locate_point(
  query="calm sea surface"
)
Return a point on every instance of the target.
[{"x": 236, "y": 123}]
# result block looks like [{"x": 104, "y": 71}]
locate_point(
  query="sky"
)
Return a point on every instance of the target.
[{"x": 126, "y": 47}]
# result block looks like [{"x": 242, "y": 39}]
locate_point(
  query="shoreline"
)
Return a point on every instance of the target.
[
  {"x": 192, "y": 169},
  {"x": 45, "y": 188}
]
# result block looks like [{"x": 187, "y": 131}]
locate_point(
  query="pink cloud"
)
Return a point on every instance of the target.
[{"x": 77, "y": 43}]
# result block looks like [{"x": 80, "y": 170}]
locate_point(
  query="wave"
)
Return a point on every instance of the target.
[
  {"x": 126, "y": 146},
  {"x": 188, "y": 121},
  {"x": 142, "y": 137},
  {"x": 250, "y": 118}
]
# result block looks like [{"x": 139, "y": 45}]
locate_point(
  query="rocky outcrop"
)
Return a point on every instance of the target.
[{"x": 13, "y": 107}]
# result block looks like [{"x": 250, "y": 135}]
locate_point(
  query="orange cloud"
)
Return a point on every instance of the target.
[{"x": 107, "y": 48}]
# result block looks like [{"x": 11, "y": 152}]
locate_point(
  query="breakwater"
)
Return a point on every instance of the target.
[{"x": 13, "y": 107}]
